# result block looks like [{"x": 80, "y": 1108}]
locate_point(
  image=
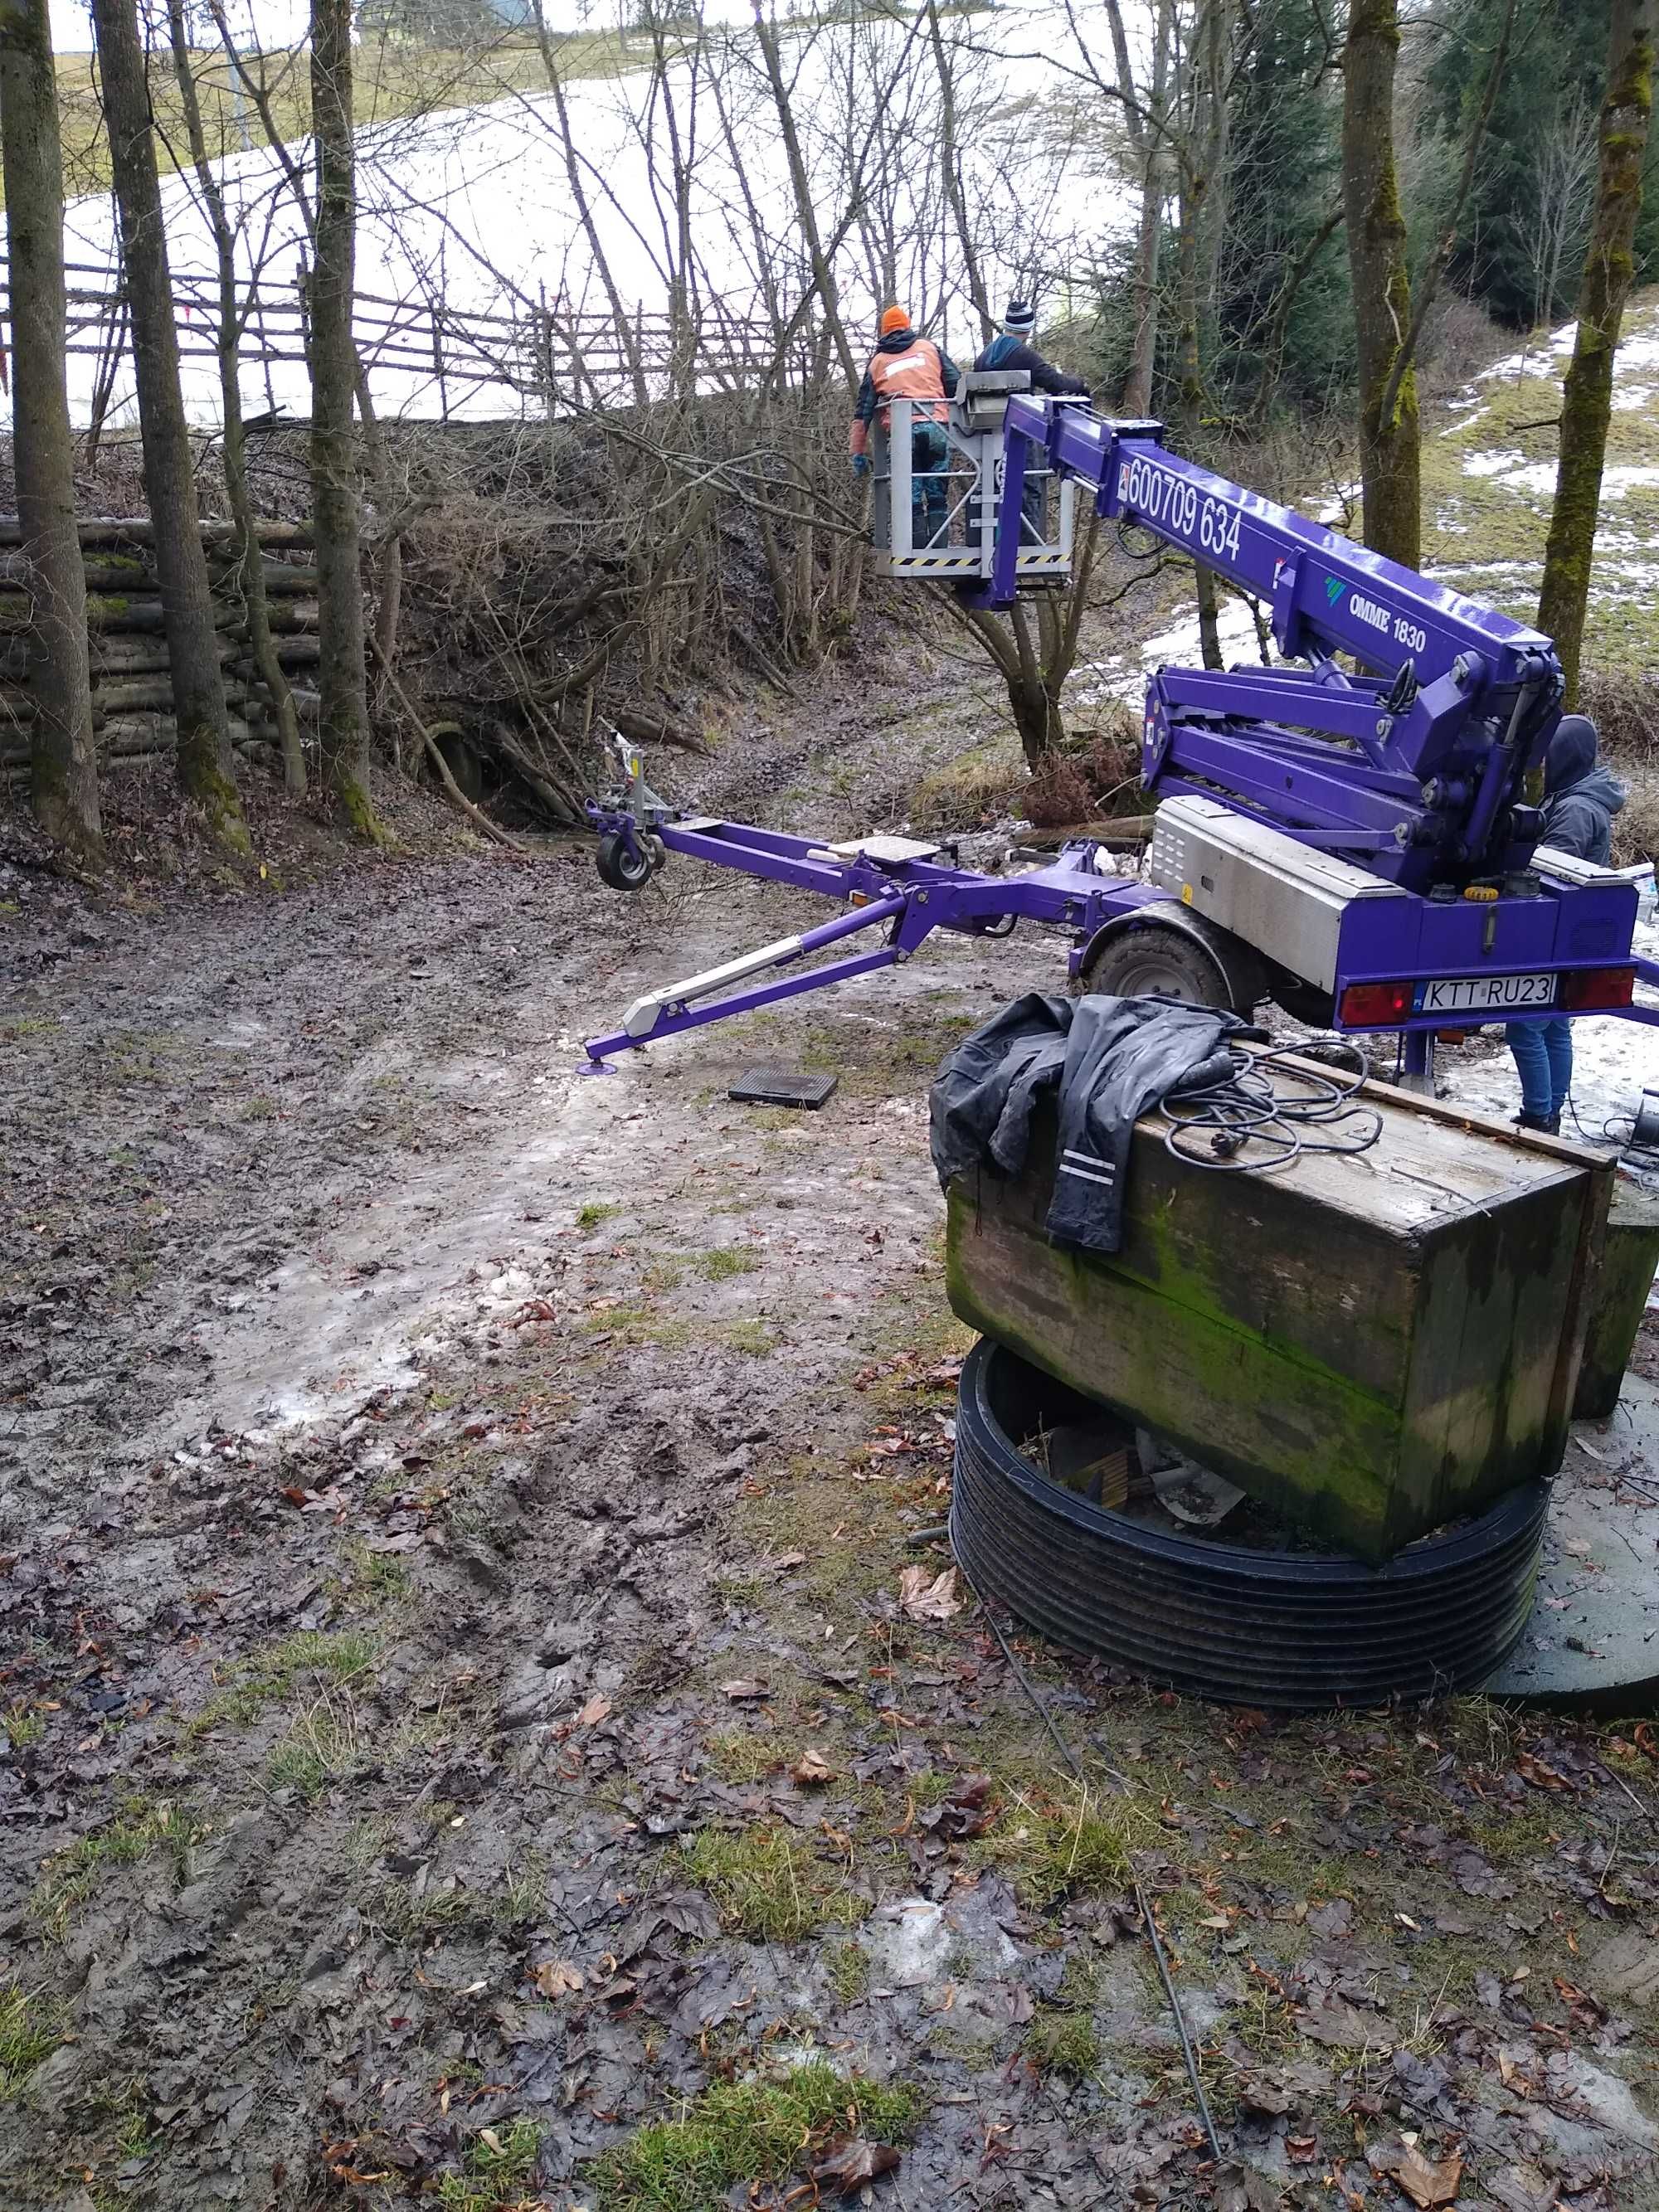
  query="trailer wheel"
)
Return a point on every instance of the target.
[
  {"x": 623, "y": 865},
  {"x": 1155, "y": 960}
]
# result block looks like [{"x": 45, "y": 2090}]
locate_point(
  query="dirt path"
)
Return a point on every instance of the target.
[{"x": 460, "y": 1721}]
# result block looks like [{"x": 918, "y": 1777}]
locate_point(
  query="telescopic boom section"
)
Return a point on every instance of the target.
[{"x": 1415, "y": 767}]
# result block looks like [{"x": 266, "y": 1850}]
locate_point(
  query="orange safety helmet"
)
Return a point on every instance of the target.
[{"x": 894, "y": 318}]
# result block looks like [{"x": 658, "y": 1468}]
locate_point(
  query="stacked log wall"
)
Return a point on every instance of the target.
[{"x": 131, "y": 683}]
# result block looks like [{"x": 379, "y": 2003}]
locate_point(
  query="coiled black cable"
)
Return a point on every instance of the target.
[{"x": 1247, "y": 1122}]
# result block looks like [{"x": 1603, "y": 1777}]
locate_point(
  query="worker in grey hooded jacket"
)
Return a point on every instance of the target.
[{"x": 1580, "y": 800}]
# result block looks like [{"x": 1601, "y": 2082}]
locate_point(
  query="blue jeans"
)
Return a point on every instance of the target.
[
  {"x": 1543, "y": 1059},
  {"x": 930, "y": 484}
]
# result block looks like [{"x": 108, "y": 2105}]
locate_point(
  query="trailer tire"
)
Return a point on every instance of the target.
[
  {"x": 1170, "y": 959},
  {"x": 624, "y": 865},
  {"x": 1214, "y": 1620}
]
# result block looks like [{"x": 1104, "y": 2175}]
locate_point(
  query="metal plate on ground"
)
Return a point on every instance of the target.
[
  {"x": 1592, "y": 1643},
  {"x": 782, "y": 1086}
]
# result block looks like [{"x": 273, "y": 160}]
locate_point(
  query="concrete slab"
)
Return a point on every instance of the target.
[{"x": 1592, "y": 1644}]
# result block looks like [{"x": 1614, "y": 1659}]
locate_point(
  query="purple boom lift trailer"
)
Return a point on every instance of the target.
[{"x": 1361, "y": 847}]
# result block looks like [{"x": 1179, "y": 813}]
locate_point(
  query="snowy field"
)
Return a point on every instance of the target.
[
  {"x": 474, "y": 208},
  {"x": 1489, "y": 482}
]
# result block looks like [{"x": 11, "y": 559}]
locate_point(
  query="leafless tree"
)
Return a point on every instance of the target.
[
  {"x": 63, "y": 763},
  {"x": 199, "y": 691},
  {"x": 336, "y": 495},
  {"x": 233, "y": 441},
  {"x": 1389, "y": 457},
  {"x": 1609, "y": 269},
  {"x": 1565, "y": 167}
]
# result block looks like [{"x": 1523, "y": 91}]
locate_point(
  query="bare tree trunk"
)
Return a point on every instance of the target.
[
  {"x": 823, "y": 275},
  {"x": 198, "y": 691},
  {"x": 63, "y": 760},
  {"x": 250, "y": 558},
  {"x": 1388, "y": 455},
  {"x": 343, "y": 723},
  {"x": 1189, "y": 375},
  {"x": 584, "y": 207},
  {"x": 1147, "y": 140},
  {"x": 1428, "y": 279},
  {"x": 950, "y": 172},
  {"x": 1586, "y": 398}
]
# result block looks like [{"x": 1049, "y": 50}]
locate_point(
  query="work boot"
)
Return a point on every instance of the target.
[{"x": 1548, "y": 1125}]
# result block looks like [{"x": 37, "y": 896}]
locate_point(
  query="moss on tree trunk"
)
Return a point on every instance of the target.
[
  {"x": 1587, "y": 397},
  {"x": 343, "y": 723},
  {"x": 63, "y": 764},
  {"x": 198, "y": 689},
  {"x": 1388, "y": 455}
]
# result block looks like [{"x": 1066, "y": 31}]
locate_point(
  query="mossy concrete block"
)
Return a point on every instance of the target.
[
  {"x": 1617, "y": 1297},
  {"x": 1373, "y": 1343}
]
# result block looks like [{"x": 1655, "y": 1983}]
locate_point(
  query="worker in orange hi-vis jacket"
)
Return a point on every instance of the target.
[{"x": 906, "y": 366}]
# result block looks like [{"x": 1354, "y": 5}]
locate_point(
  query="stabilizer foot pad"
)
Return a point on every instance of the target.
[{"x": 782, "y": 1086}]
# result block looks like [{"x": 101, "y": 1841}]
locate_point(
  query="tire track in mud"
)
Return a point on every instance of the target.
[{"x": 329, "y": 1492}]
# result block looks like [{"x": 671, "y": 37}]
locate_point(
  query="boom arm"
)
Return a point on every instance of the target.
[{"x": 1418, "y": 770}]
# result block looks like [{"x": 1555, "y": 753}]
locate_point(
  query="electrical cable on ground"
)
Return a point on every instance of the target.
[
  {"x": 1251, "y": 1106},
  {"x": 1142, "y": 1901},
  {"x": 1618, "y": 1130}
]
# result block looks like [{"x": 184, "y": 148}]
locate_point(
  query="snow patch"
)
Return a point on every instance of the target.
[
  {"x": 1614, "y": 1061},
  {"x": 1492, "y": 464}
]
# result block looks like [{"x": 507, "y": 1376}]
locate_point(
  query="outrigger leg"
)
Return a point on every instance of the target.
[{"x": 675, "y": 1006}]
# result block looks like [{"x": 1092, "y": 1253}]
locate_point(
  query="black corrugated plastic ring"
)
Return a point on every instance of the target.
[{"x": 1214, "y": 1620}]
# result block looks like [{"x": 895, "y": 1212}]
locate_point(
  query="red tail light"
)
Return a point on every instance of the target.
[
  {"x": 1583, "y": 989},
  {"x": 1374, "y": 1005}
]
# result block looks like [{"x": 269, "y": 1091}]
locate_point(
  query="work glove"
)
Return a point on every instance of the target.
[{"x": 861, "y": 464}]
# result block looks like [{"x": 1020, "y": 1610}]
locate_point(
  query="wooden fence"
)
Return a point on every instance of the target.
[{"x": 547, "y": 356}]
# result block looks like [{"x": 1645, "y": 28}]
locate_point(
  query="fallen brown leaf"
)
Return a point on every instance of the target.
[
  {"x": 741, "y": 1689},
  {"x": 596, "y": 1710},
  {"x": 1541, "y": 1776},
  {"x": 554, "y": 1977},
  {"x": 929, "y": 1598},
  {"x": 968, "y": 1811},
  {"x": 1427, "y": 2183},
  {"x": 1340, "y": 2025},
  {"x": 812, "y": 1769},
  {"x": 1256, "y": 2094},
  {"x": 848, "y": 2165},
  {"x": 1511, "y": 2073}
]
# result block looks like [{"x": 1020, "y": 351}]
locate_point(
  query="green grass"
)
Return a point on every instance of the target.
[
  {"x": 1472, "y": 523},
  {"x": 987, "y": 781},
  {"x": 750, "y": 1338},
  {"x": 848, "y": 1966},
  {"x": 323, "y": 1744},
  {"x": 768, "y": 1884},
  {"x": 596, "y": 1211},
  {"x": 1081, "y": 1851},
  {"x": 747, "y": 2132},
  {"x": 141, "y": 1831},
  {"x": 728, "y": 1260},
  {"x": 377, "y": 1577},
  {"x": 1063, "y": 2043},
  {"x": 498, "y": 2165},
  {"x": 24, "y": 1726},
  {"x": 337, "y": 1656},
  {"x": 31, "y": 2029},
  {"x": 746, "y": 1754},
  {"x": 640, "y": 1324}
]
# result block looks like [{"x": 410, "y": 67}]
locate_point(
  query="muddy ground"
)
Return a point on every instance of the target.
[{"x": 464, "y": 1740}]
